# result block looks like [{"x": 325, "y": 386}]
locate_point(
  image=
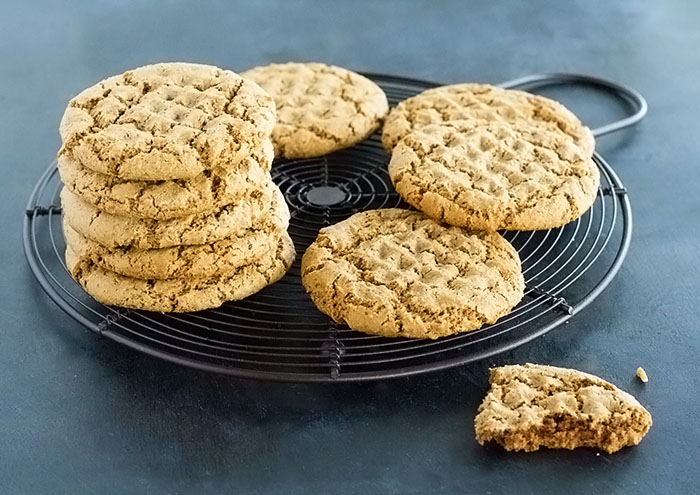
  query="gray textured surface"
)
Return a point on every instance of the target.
[{"x": 82, "y": 415}]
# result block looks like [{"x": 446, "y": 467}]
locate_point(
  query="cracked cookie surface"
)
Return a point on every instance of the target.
[
  {"x": 182, "y": 294},
  {"x": 483, "y": 101},
  {"x": 397, "y": 273},
  {"x": 169, "y": 199},
  {"x": 114, "y": 231},
  {"x": 320, "y": 108},
  {"x": 488, "y": 175},
  {"x": 533, "y": 406},
  {"x": 218, "y": 259},
  {"x": 166, "y": 121}
]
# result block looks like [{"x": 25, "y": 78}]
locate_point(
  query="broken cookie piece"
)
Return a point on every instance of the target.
[{"x": 533, "y": 406}]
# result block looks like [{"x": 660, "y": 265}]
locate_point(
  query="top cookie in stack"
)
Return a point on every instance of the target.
[
  {"x": 168, "y": 201},
  {"x": 166, "y": 121}
]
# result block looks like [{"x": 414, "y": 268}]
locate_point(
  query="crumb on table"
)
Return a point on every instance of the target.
[{"x": 642, "y": 374}]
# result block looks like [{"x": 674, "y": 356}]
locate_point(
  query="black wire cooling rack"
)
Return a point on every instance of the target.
[{"x": 278, "y": 334}]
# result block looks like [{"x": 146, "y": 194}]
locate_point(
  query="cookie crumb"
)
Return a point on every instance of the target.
[{"x": 642, "y": 374}]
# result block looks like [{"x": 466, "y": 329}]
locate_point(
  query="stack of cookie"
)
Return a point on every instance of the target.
[{"x": 168, "y": 202}]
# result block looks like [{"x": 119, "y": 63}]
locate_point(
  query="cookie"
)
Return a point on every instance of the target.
[
  {"x": 397, "y": 273},
  {"x": 166, "y": 121},
  {"x": 482, "y": 101},
  {"x": 320, "y": 108},
  {"x": 114, "y": 231},
  {"x": 182, "y": 294},
  {"x": 221, "y": 258},
  {"x": 489, "y": 175},
  {"x": 168, "y": 199},
  {"x": 535, "y": 406}
]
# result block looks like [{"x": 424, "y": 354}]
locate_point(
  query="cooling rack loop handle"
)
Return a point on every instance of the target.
[{"x": 622, "y": 91}]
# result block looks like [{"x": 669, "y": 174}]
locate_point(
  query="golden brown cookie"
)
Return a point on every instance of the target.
[
  {"x": 114, "y": 231},
  {"x": 535, "y": 406},
  {"x": 320, "y": 108},
  {"x": 166, "y": 121},
  {"x": 182, "y": 294},
  {"x": 164, "y": 200},
  {"x": 218, "y": 259},
  {"x": 482, "y": 101},
  {"x": 488, "y": 175},
  {"x": 398, "y": 273}
]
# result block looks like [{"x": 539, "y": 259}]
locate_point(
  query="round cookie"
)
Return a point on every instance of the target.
[
  {"x": 492, "y": 175},
  {"x": 168, "y": 199},
  {"x": 320, "y": 108},
  {"x": 166, "y": 121},
  {"x": 181, "y": 294},
  {"x": 219, "y": 259},
  {"x": 482, "y": 101},
  {"x": 114, "y": 231},
  {"x": 398, "y": 273}
]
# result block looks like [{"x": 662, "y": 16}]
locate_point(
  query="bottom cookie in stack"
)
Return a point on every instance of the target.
[{"x": 237, "y": 259}]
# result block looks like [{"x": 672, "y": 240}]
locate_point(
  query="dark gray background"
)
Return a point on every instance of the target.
[{"x": 79, "y": 414}]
